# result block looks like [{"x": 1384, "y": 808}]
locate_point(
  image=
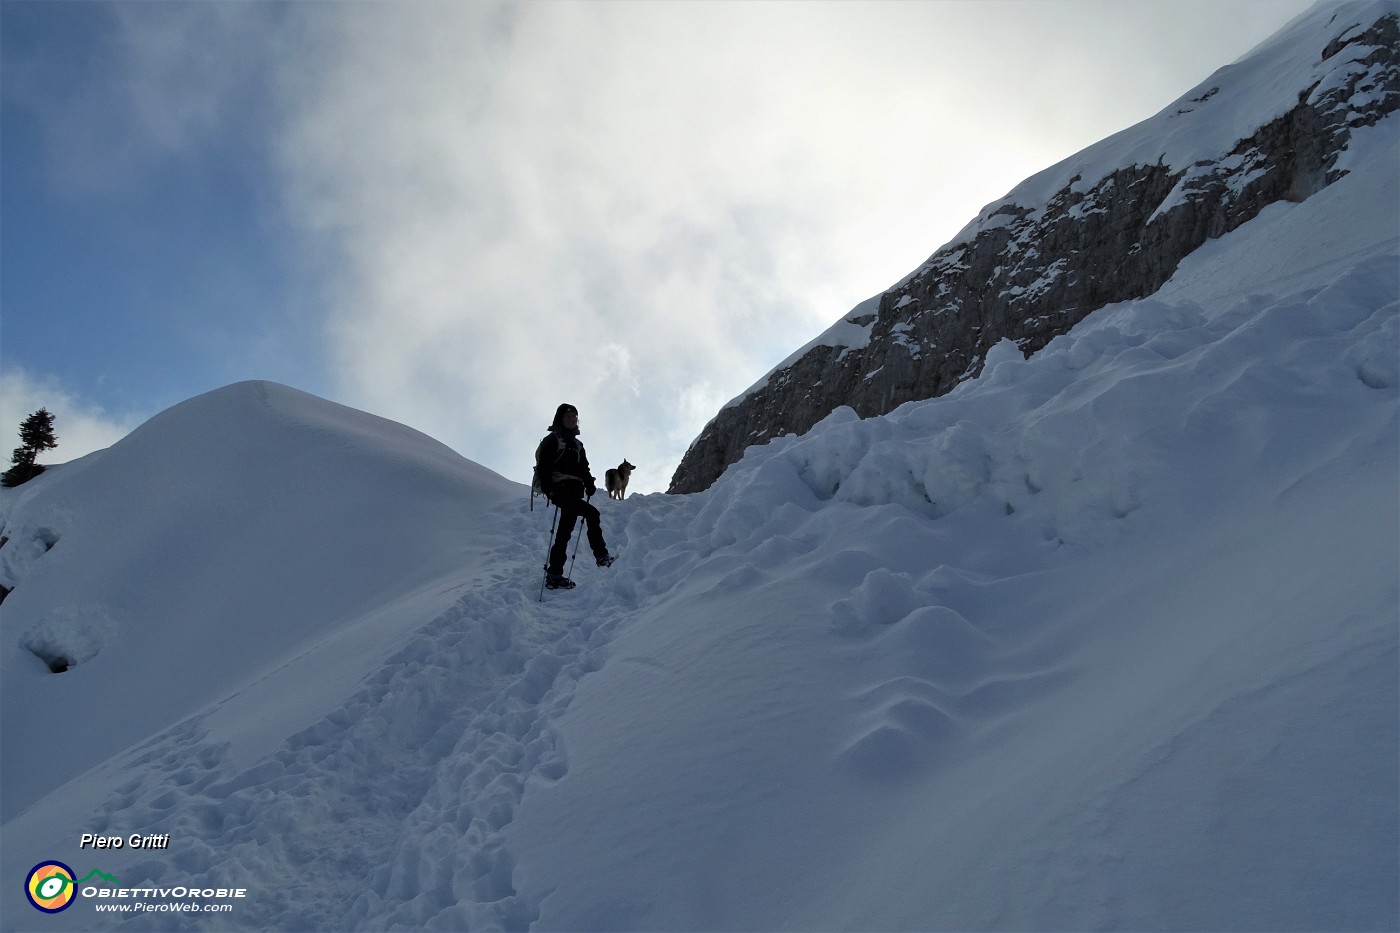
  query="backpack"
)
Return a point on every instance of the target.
[{"x": 539, "y": 484}]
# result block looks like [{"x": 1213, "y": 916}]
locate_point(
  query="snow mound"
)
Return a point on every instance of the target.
[{"x": 218, "y": 542}]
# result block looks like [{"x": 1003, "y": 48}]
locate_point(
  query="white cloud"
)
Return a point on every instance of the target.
[
  {"x": 81, "y": 428},
  {"x": 635, "y": 206}
]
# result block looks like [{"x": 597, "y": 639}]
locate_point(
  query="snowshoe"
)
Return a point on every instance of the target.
[
  {"x": 607, "y": 560},
  {"x": 557, "y": 581}
]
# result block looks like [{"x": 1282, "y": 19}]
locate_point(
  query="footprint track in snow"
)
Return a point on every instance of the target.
[{"x": 427, "y": 762}]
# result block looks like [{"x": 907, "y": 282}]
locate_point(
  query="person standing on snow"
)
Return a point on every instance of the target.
[{"x": 561, "y": 470}]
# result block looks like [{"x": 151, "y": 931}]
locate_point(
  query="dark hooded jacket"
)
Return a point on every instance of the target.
[{"x": 561, "y": 460}]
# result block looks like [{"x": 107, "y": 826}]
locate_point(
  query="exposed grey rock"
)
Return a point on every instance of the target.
[{"x": 1030, "y": 273}]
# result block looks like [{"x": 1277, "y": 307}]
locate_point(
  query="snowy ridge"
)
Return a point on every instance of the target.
[
  {"x": 852, "y": 332},
  {"x": 1108, "y": 224},
  {"x": 1204, "y": 125},
  {"x": 173, "y": 546},
  {"x": 1249, "y": 93}
]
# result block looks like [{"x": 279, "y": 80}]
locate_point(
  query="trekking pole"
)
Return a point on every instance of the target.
[{"x": 548, "y": 542}]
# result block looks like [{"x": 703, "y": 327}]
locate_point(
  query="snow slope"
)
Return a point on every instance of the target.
[
  {"x": 213, "y": 549},
  {"x": 1104, "y": 638}
]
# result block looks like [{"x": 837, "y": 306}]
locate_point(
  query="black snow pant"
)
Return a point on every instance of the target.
[{"x": 572, "y": 505}]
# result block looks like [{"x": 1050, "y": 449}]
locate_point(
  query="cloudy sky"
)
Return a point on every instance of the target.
[{"x": 459, "y": 214}]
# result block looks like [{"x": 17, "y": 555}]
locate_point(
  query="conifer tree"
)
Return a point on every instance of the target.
[{"x": 36, "y": 435}]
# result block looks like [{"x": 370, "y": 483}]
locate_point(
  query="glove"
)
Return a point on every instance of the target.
[{"x": 592, "y": 488}]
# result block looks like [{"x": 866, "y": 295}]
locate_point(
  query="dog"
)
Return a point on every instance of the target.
[{"x": 617, "y": 479}]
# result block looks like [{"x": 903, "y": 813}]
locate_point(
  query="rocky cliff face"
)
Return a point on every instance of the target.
[{"x": 1108, "y": 225}]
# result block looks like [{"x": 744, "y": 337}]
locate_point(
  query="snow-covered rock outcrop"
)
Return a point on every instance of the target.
[{"x": 1109, "y": 224}]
